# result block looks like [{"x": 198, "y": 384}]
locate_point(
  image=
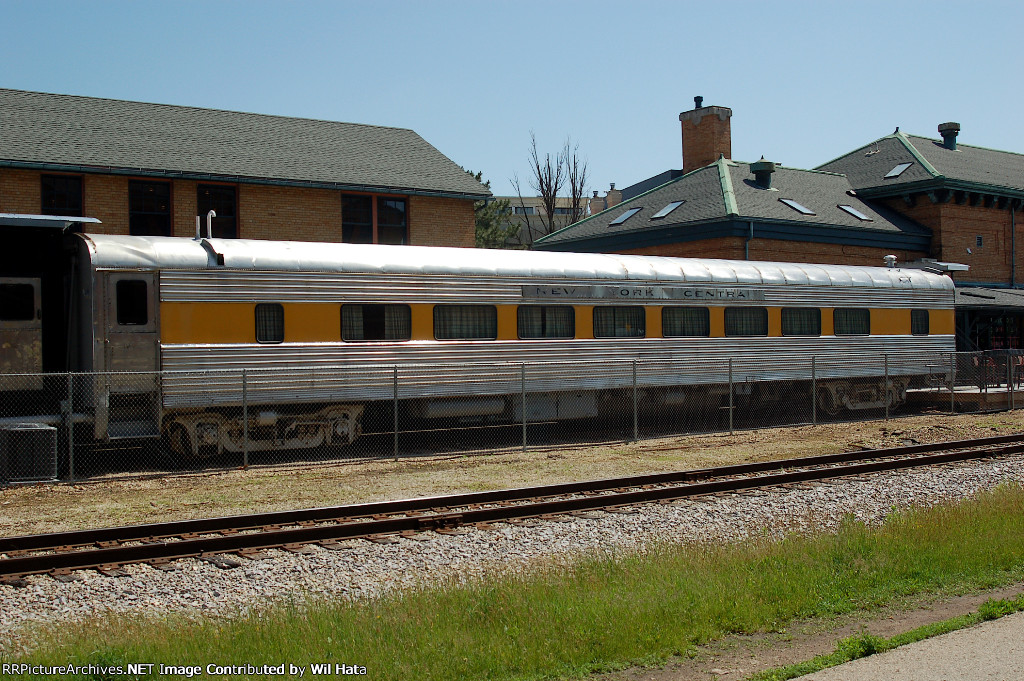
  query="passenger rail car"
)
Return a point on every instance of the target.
[{"x": 341, "y": 316}]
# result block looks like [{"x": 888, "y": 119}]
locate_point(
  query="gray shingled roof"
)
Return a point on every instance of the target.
[
  {"x": 932, "y": 161},
  {"x": 109, "y": 134},
  {"x": 725, "y": 190}
]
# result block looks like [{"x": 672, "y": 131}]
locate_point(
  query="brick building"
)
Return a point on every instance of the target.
[
  {"x": 933, "y": 203},
  {"x": 970, "y": 198},
  {"x": 150, "y": 169}
]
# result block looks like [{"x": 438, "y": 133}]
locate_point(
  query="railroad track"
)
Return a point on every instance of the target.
[{"x": 222, "y": 540}]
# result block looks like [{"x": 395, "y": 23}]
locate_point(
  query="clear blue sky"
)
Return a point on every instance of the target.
[{"x": 807, "y": 81}]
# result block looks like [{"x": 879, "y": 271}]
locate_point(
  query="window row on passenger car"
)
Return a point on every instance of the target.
[{"x": 393, "y": 322}]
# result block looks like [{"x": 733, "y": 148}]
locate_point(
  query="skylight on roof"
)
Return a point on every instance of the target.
[
  {"x": 667, "y": 209},
  {"x": 797, "y": 207},
  {"x": 898, "y": 170},
  {"x": 625, "y": 216},
  {"x": 855, "y": 213}
]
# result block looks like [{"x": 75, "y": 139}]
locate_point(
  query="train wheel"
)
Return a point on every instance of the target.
[
  {"x": 178, "y": 446},
  {"x": 827, "y": 402}
]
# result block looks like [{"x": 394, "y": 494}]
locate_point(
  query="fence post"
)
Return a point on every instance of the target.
[
  {"x": 730, "y": 396},
  {"x": 885, "y": 385},
  {"x": 70, "y": 420},
  {"x": 394, "y": 409},
  {"x": 245, "y": 420},
  {"x": 952, "y": 383},
  {"x": 635, "y": 426},
  {"x": 1010, "y": 378},
  {"x": 522, "y": 381},
  {"x": 814, "y": 391}
]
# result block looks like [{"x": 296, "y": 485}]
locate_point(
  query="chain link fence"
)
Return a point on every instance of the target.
[{"x": 74, "y": 426}]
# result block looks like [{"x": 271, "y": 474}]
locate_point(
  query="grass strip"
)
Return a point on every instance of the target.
[
  {"x": 864, "y": 644},
  {"x": 596, "y": 615}
]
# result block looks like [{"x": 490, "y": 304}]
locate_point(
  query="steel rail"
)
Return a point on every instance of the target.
[{"x": 346, "y": 522}]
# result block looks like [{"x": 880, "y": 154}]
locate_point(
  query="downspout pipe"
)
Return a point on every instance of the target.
[
  {"x": 746, "y": 244},
  {"x": 1013, "y": 244}
]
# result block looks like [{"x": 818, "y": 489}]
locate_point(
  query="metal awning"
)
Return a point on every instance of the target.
[{"x": 51, "y": 221}]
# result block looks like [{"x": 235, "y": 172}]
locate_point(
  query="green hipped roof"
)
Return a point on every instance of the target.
[
  {"x": 967, "y": 166},
  {"x": 726, "y": 190},
  {"x": 39, "y": 130}
]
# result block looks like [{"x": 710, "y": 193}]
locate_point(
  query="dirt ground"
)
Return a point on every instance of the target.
[{"x": 123, "y": 501}]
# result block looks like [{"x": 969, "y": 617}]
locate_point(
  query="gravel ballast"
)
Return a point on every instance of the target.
[{"x": 364, "y": 569}]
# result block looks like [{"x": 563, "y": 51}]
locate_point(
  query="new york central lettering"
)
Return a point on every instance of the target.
[{"x": 643, "y": 292}]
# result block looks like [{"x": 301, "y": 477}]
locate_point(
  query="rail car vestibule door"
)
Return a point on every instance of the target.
[
  {"x": 131, "y": 346},
  {"x": 21, "y": 333}
]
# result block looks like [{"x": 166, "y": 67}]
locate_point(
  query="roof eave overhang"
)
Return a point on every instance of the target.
[
  {"x": 739, "y": 227},
  {"x": 236, "y": 179},
  {"x": 924, "y": 186}
]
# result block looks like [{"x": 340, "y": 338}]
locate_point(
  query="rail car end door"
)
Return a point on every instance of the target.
[
  {"x": 21, "y": 333},
  {"x": 131, "y": 355}
]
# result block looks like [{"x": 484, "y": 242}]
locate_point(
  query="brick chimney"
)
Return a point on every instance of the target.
[{"x": 707, "y": 134}]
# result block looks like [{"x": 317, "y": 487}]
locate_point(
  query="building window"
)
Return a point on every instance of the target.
[
  {"x": 465, "y": 322},
  {"x": 61, "y": 194},
  {"x": 222, "y": 200},
  {"x": 852, "y": 321},
  {"x": 376, "y": 322},
  {"x": 269, "y": 323},
  {"x": 563, "y": 210},
  {"x": 149, "y": 208},
  {"x": 132, "y": 302},
  {"x": 524, "y": 210},
  {"x": 746, "y": 321},
  {"x": 619, "y": 322},
  {"x": 685, "y": 321},
  {"x": 362, "y": 224},
  {"x": 546, "y": 321},
  {"x": 979, "y": 241},
  {"x": 919, "y": 322},
  {"x": 801, "y": 321},
  {"x": 391, "y": 224}
]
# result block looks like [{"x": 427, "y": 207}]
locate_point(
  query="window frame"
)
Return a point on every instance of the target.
[
  {"x": 614, "y": 309},
  {"x": 221, "y": 222},
  {"x": 835, "y": 323},
  {"x": 734, "y": 310},
  {"x": 544, "y": 309},
  {"x": 914, "y": 323},
  {"x": 665, "y": 323},
  {"x": 256, "y": 319},
  {"x": 384, "y": 306},
  {"x": 135, "y": 212},
  {"x": 370, "y": 231},
  {"x": 793, "y": 310},
  {"x": 493, "y": 310},
  {"x": 55, "y": 192}
]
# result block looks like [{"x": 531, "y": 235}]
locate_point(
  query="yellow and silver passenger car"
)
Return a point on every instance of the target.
[{"x": 458, "y": 323}]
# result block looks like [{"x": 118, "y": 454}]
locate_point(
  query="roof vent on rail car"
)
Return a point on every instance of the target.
[
  {"x": 890, "y": 260},
  {"x": 217, "y": 257}
]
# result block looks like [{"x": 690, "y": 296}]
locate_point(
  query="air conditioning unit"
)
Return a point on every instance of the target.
[{"x": 28, "y": 452}]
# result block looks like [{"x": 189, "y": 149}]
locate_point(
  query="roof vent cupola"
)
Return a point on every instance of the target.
[
  {"x": 949, "y": 131},
  {"x": 763, "y": 173}
]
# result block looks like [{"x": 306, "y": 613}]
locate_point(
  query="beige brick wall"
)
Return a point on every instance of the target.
[
  {"x": 263, "y": 211},
  {"x": 441, "y": 222}
]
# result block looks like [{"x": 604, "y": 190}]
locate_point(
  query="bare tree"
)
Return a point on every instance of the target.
[{"x": 548, "y": 177}]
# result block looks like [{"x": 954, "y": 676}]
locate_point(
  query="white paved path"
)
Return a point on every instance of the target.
[{"x": 991, "y": 651}]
